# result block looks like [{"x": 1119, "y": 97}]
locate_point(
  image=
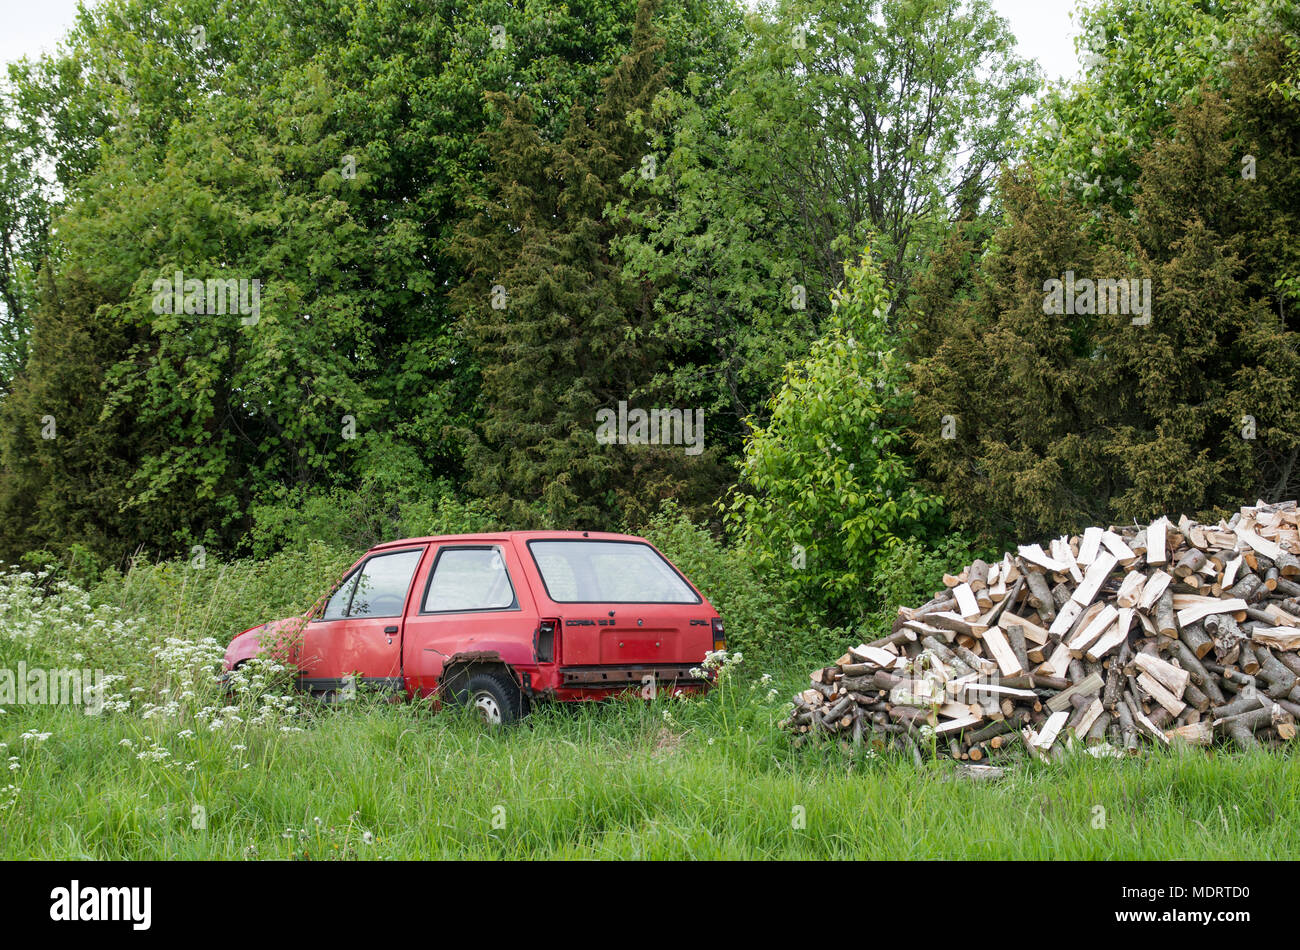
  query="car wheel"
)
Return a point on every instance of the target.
[{"x": 494, "y": 698}]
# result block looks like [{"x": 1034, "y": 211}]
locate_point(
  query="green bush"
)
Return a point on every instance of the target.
[
  {"x": 765, "y": 619},
  {"x": 828, "y": 483},
  {"x": 911, "y": 573},
  {"x": 219, "y": 599},
  {"x": 448, "y": 514},
  {"x": 359, "y": 518}
]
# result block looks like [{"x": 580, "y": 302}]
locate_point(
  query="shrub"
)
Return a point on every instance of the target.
[
  {"x": 829, "y": 485},
  {"x": 911, "y": 573},
  {"x": 764, "y": 618},
  {"x": 219, "y": 599},
  {"x": 359, "y": 518}
]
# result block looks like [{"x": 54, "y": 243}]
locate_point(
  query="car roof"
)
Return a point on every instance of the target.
[{"x": 502, "y": 536}]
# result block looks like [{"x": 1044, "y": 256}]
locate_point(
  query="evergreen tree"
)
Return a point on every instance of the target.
[
  {"x": 558, "y": 330},
  {"x": 1069, "y": 418}
]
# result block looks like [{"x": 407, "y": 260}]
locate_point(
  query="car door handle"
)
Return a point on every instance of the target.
[{"x": 392, "y": 629}]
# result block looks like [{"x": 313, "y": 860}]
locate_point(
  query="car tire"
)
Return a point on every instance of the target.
[{"x": 495, "y": 697}]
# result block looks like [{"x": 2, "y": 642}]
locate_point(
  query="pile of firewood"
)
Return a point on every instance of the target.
[{"x": 1165, "y": 633}]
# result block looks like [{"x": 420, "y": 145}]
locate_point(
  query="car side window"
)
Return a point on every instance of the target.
[
  {"x": 382, "y": 584},
  {"x": 469, "y": 579},
  {"x": 337, "y": 607}
]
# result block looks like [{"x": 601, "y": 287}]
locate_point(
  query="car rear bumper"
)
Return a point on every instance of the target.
[{"x": 605, "y": 677}]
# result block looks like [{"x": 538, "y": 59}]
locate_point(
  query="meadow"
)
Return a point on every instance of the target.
[{"x": 173, "y": 768}]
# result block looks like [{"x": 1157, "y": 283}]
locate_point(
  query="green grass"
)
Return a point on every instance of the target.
[
  {"x": 614, "y": 781},
  {"x": 707, "y": 777}
]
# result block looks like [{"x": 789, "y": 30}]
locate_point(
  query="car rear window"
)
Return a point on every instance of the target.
[{"x": 583, "y": 571}]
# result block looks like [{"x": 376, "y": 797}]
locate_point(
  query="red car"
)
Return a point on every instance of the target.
[{"x": 500, "y": 621}]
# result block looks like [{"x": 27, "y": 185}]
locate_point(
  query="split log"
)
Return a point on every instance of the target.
[
  {"x": 1130, "y": 590},
  {"x": 1089, "y": 686},
  {"x": 1154, "y": 589},
  {"x": 1199, "y": 733},
  {"x": 1016, "y": 637},
  {"x": 1001, "y": 651},
  {"x": 1040, "y": 596},
  {"x": 1281, "y": 638},
  {"x": 1189, "y": 563},
  {"x": 1160, "y": 694},
  {"x": 1268, "y": 549},
  {"x": 1171, "y": 677},
  {"x": 967, "y": 606},
  {"x": 1157, "y": 541},
  {"x": 1113, "y": 637},
  {"x": 1092, "y": 581},
  {"x": 1089, "y": 545},
  {"x": 1031, "y": 631},
  {"x": 1214, "y": 605},
  {"x": 1097, "y": 734},
  {"x": 1195, "y": 637}
]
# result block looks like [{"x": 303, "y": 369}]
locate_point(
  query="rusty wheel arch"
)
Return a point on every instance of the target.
[{"x": 461, "y": 666}]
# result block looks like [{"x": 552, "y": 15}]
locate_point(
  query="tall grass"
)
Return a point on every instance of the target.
[
  {"x": 379, "y": 781},
  {"x": 173, "y": 768}
]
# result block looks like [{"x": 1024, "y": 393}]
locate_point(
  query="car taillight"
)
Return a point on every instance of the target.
[
  {"x": 546, "y": 640},
  {"x": 719, "y": 637}
]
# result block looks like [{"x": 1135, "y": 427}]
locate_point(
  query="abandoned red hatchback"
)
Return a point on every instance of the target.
[{"x": 501, "y": 621}]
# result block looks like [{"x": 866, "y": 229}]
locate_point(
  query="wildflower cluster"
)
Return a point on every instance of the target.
[
  {"x": 318, "y": 840},
  {"x": 187, "y": 705},
  {"x": 718, "y": 665}
]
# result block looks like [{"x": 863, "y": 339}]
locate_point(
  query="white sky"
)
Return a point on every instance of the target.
[
  {"x": 1045, "y": 32},
  {"x": 32, "y": 27},
  {"x": 1042, "y": 27}
]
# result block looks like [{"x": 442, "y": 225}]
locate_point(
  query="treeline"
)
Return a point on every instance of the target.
[{"x": 277, "y": 271}]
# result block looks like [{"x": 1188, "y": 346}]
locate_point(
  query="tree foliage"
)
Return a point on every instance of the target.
[
  {"x": 1064, "y": 419},
  {"x": 827, "y": 488},
  {"x": 557, "y": 327},
  {"x": 840, "y": 124},
  {"x": 1139, "y": 60},
  {"x": 324, "y": 150}
]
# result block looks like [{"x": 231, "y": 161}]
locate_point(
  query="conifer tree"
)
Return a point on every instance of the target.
[
  {"x": 559, "y": 332},
  {"x": 1062, "y": 419}
]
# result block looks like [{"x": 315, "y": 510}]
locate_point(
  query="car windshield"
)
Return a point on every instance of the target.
[{"x": 583, "y": 571}]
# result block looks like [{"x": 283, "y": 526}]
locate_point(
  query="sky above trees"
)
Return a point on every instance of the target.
[{"x": 1044, "y": 30}]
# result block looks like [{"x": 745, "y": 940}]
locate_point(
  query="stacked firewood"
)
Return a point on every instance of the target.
[{"x": 1165, "y": 633}]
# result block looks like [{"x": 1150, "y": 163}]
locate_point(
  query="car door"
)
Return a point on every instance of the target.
[
  {"x": 359, "y": 630},
  {"x": 475, "y": 599}
]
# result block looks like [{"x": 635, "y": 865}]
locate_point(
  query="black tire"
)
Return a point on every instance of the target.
[{"x": 495, "y": 697}]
